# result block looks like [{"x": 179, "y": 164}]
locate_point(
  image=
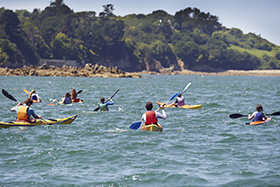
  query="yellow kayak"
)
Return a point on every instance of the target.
[
  {"x": 67, "y": 120},
  {"x": 152, "y": 127},
  {"x": 184, "y": 106}
]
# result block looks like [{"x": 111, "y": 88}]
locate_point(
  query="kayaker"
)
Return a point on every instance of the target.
[
  {"x": 34, "y": 96},
  {"x": 104, "y": 106},
  {"x": 24, "y": 111},
  {"x": 67, "y": 99},
  {"x": 180, "y": 101},
  {"x": 150, "y": 116},
  {"x": 258, "y": 115},
  {"x": 74, "y": 94}
]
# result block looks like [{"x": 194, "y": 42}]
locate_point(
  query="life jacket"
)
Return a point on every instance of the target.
[
  {"x": 67, "y": 100},
  {"x": 259, "y": 116},
  {"x": 22, "y": 113},
  {"x": 150, "y": 117},
  {"x": 103, "y": 107},
  {"x": 181, "y": 101}
]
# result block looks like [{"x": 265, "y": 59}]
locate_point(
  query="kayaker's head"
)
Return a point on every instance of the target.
[
  {"x": 67, "y": 94},
  {"x": 28, "y": 101},
  {"x": 259, "y": 108},
  {"x": 73, "y": 94},
  {"x": 179, "y": 95},
  {"x": 32, "y": 92},
  {"x": 149, "y": 106},
  {"x": 102, "y": 99}
]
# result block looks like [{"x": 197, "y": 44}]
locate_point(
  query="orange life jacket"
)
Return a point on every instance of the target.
[
  {"x": 150, "y": 117},
  {"x": 22, "y": 113}
]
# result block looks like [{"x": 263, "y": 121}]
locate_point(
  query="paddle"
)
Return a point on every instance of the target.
[
  {"x": 136, "y": 125},
  {"x": 26, "y": 91},
  {"x": 241, "y": 115},
  {"x": 96, "y": 109},
  {"x": 79, "y": 92},
  {"x": 9, "y": 96},
  {"x": 186, "y": 88}
]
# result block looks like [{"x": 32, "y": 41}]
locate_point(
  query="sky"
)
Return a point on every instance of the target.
[{"x": 261, "y": 17}]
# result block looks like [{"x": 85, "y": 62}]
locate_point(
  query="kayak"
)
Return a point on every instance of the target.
[
  {"x": 152, "y": 127},
  {"x": 184, "y": 106},
  {"x": 36, "y": 101},
  {"x": 77, "y": 100},
  {"x": 38, "y": 122},
  {"x": 259, "y": 122}
]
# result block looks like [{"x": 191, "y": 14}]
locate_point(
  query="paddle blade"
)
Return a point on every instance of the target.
[
  {"x": 79, "y": 92},
  {"x": 186, "y": 88},
  {"x": 26, "y": 91},
  {"x": 135, "y": 125},
  {"x": 96, "y": 109},
  {"x": 9, "y": 96},
  {"x": 174, "y": 96},
  {"x": 237, "y": 115},
  {"x": 274, "y": 114}
]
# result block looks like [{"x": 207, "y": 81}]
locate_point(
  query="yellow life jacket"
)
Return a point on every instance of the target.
[{"x": 22, "y": 113}]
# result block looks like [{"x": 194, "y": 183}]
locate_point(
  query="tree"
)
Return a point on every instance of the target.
[
  {"x": 10, "y": 21},
  {"x": 108, "y": 11}
]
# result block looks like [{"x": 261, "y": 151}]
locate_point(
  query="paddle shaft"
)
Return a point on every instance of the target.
[
  {"x": 112, "y": 96},
  {"x": 241, "y": 115}
]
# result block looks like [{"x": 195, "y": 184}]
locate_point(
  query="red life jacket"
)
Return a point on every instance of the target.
[{"x": 150, "y": 117}]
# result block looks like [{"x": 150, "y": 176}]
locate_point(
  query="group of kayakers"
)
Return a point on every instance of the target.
[{"x": 24, "y": 111}]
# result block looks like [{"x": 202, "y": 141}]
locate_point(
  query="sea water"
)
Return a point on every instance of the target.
[{"x": 196, "y": 148}]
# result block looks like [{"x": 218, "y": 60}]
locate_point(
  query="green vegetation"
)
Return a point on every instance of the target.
[{"x": 191, "y": 36}]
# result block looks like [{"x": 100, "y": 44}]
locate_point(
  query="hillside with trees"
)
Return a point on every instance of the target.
[{"x": 190, "y": 39}]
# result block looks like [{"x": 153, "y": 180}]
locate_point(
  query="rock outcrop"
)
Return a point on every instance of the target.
[{"x": 67, "y": 71}]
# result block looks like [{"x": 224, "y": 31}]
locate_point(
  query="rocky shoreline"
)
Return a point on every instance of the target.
[
  {"x": 67, "y": 71},
  {"x": 101, "y": 71}
]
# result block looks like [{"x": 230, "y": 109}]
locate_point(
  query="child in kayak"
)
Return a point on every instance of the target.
[
  {"x": 67, "y": 99},
  {"x": 150, "y": 116},
  {"x": 34, "y": 96},
  {"x": 104, "y": 106},
  {"x": 24, "y": 112},
  {"x": 258, "y": 115},
  {"x": 180, "y": 101}
]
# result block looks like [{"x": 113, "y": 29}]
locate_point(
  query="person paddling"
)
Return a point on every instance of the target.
[
  {"x": 150, "y": 116},
  {"x": 104, "y": 106},
  {"x": 67, "y": 99},
  {"x": 180, "y": 101},
  {"x": 35, "y": 97},
  {"x": 258, "y": 115},
  {"x": 24, "y": 112}
]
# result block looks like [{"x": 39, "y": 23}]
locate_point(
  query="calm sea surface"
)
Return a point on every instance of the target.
[{"x": 196, "y": 148}]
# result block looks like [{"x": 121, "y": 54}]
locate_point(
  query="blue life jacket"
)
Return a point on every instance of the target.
[{"x": 259, "y": 116}]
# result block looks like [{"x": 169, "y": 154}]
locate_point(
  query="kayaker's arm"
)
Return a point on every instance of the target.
[
  {"x": 111, "y": 102},
  {"x": 159, "y": 115},
  {"x": 12, "y": 109}
]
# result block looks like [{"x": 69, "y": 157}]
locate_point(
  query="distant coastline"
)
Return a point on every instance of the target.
[
  {"x": 275, "y": 73},
  {"x": 101, "y": 71}
]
